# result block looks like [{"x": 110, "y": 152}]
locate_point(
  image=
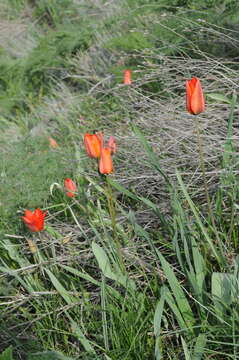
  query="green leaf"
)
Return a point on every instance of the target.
[
  {"x": 199, "y": 347},
  {"x": 228, "y": 146},
  {"x": 106, "y": 269},
  {"x": 185, "y": 349},
  {"x": 222, "y": 288},
  {"x": 46, "y": 355},
  {"x": 171, "y": 302},
  {"x": 157, "y": 326},
  {"x": 178, "y": 293},
  {"x": 6, "y": 354},
  {"x": 153, "y": 158},
  {"x": 60, "y": 288},
  {"x": 200, "y": 269},
  {"x": 199, "y": 222},
  {"x": 158, "y": 316},
  {"x": 77, "y": 332},
  {"x": 87, "y": 277},
  {"x": 219, "y": 97}
]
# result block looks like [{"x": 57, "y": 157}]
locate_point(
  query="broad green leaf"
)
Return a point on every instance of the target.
[
  {"x": 81, "y": 274},
  {"x": 106, "y": 269},
  {"x": 222, "y": 285},
  {"x": 199, "y": 347},
  {"x": 199, "y": 222},
  {"x": 77, "y": 332},
  {"x": 219, "y": 97},
  {"x": 105, "y": 329},
  {"x": 142, "y": 199},
  {"x": 228, "y": 146},
  {"x": 87, "y": 277},
  {"x": 157, "y": 326},
  {"x": 186, "y": 350},
  {"x": 153, "y": 158},
  {"x": 6, "y": 354},
  {"x": 171, "y": 303},
  {"x": 48, "y": 355},
  {"x": 200, "y": 268},
  {"x": 60, "y": 288},
  {"x": 158, "y": 316},
  {"x": 178, "y": 293},
  {"x": 14, "y": 273}
]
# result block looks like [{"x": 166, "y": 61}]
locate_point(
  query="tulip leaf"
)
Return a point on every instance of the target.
[
  {"x": 89, "y": 278},
  {"x": 153, "y": 158},
  {"x": 46, "y": 355},
  {"x": 6, "y": 354},
  {"x": 60, "y": 288},
  {"x": 182, "y": 303},
  {"x": 223, "y": 285},
  {"x": 106, "y": 268},
  {"x": 219, "y": 258},
  {"x": 157, "y": 326},
  {"x": 219, "y": 97},
  {"x": 172, "y": 304},
  {"x": 77, "y": 332},
  {"x": 185, "y": 349},
  {"x": 199, "y": 347}
]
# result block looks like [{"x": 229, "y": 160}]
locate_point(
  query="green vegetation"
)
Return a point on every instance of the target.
[{"x": 140, "y": 264}]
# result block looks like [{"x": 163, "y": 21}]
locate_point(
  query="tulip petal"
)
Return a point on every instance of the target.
[{"x": 105, "y": 163}]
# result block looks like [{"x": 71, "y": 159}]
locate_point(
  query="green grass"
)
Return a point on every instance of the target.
[{"x": 134, "y": 267}]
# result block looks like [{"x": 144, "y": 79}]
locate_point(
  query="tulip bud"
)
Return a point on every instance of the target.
[
  {"x": 70, "y": 187},
  {"x": 53, "y": 144},
  {"x": 194, "y": 96},
  {"x": 127, "y": 77}
]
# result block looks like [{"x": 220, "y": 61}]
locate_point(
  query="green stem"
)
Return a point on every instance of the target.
[
  {"x": 202, "y": 165},
  {"x": 112, "y": 212}
]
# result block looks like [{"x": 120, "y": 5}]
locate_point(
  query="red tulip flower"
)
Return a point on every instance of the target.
[
  {"x": 70, "y": 187},
  {"x": 105, "y": 163},
  {"x": 93, "y": 144},
  {"x": 194, "y": 96},
  {"x": 127, "y": 77},
  {"x": 34, "y": 221},
  {"x": 52, "y": 142}
]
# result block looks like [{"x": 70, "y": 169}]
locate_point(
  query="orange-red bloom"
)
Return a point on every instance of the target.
[
  {"x": 53, "y": 144},
  {"x": 34, "y": 221},
  {"x": 194, "y": 96},
  {"x": 112, "y": 144},
  {"x": 127, "y": 77},
  {"x": 70, "y": 187},
  {"x": 105, "y": 163},
  {"x": 93, "y": 144}
]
